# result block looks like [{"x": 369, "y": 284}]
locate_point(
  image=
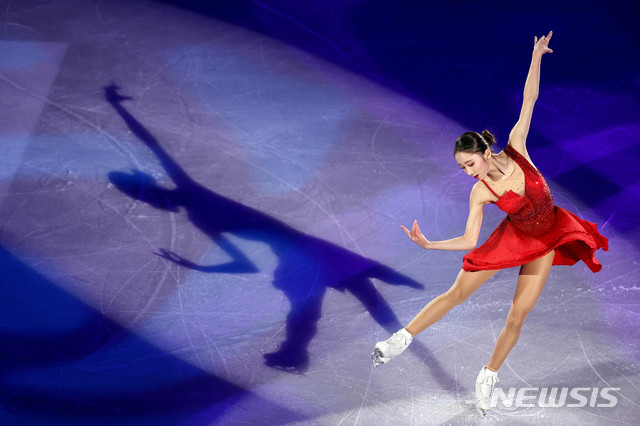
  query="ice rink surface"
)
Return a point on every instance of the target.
[{"x": 200, "y": 218}]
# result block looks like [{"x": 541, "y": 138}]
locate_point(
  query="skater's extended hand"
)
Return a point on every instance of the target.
[
  {"x": 416, "y": 236},
  {"x": 541, "y": 45}
]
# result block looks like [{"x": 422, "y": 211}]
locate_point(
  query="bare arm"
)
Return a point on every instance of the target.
[
  {"x": 518, "y": 135},
  {"x": 469, "y": 240}
]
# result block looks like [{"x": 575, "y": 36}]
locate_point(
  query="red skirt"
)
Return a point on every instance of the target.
[{"x": 572, "y": 238}]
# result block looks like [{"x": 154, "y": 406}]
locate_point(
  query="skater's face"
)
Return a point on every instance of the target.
[{"x": 474, "y": 164}]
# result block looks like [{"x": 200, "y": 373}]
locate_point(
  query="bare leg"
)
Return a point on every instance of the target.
[
  {"x": 466, "y": 283},
  {"x": 531, "y": 281}
]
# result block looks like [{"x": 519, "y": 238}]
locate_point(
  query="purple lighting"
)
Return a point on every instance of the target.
[{"x": 201, "y": 204}]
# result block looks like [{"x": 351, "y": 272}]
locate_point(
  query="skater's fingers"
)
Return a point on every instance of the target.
[{"x": 418, "y": 229}]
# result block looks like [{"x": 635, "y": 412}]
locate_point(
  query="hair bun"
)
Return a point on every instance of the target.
[{"x": 488, "y": 137}]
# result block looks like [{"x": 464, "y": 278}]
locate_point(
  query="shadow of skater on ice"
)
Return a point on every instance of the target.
[{"x": 306, "y": 265}]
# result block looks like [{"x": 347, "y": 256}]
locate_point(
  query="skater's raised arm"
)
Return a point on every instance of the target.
[
  {"x": 469, "y": 240},
  {"x": 518, "y": 135}
]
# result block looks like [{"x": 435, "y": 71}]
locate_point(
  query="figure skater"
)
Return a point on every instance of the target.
[{"x": 535, "y": 235}]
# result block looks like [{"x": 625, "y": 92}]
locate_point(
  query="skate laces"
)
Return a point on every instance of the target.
[
  {"x": 399, "y": 340},
  {"x": 489, "y": 380}
]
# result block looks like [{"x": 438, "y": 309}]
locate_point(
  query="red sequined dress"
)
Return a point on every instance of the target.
[{"x": 533, "y": 227}]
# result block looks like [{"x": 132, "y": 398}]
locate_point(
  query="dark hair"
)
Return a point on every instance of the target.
[{"x": 473, "y": 142}]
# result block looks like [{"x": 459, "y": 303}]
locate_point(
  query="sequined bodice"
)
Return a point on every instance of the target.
[{"x": 534, "y": 212}]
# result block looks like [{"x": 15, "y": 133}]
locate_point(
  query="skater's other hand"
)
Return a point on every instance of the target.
[{"x": 416, "y": 236}]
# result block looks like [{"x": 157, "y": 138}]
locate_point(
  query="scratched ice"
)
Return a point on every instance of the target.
[{"x": 201, "y": 224}]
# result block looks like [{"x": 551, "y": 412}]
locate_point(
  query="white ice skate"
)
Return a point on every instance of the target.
[
  {"x": 391, "y": 348},
  {"x": 485, "y": 382}
]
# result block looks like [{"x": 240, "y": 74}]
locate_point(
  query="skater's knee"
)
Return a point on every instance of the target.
[
  {"x": 515, "y": 319},
  {"x": 514, "y": 325},
  {"x": 455, "y": 296},
  {"x": 464, "y": 286}
]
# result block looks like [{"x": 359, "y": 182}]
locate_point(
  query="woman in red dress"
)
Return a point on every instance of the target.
[{"x": 535, "y": 235}]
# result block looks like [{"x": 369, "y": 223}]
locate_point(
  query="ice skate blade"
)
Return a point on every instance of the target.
[
  {"x": 482, "y": 412},
  {"x": 377, "y": 358}
]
